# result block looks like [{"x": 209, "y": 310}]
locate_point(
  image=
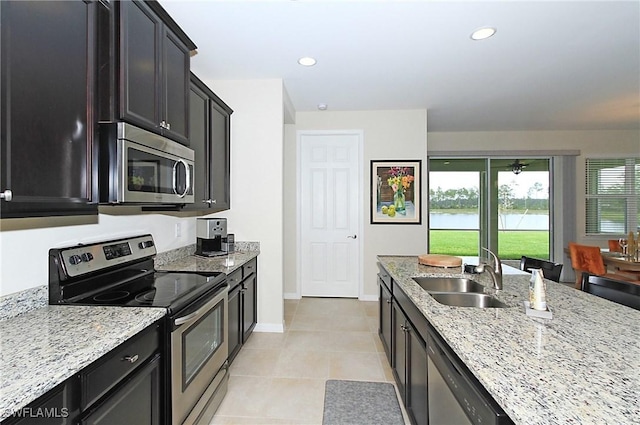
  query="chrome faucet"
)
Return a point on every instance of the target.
[{"x": 495, "y": 270}]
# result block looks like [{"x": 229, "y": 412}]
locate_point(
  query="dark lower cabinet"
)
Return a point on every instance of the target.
[
  {"x": 47, "y": 128},
  {"x": 235, "y": 315},
  {"x": 406, "y": 330},
  {"x": 249, "y": 305},
  {"x": 417, "y": 396},
  {"x": 409, "y": 352},
  {"x": 243, "y": 306},
  {"x": 136, "y": 401},
  {"x": 399, "y": 351},
  {"x": 122, "y": 387},
  {"x": 60, "y": 406},
  {"x": 385, "y": 315}
]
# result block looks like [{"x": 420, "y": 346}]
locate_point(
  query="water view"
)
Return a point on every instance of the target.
[{"x": 471, "y": 221}]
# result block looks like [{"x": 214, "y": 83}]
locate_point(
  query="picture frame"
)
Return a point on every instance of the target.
[{"x": 396, "y": 187}]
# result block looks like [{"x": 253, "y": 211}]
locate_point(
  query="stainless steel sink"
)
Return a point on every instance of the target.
[
  {"x": 448, "y": 284},
  {"x": 468, "y": 299}
]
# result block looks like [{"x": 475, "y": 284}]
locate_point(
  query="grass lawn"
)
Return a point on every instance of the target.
[{"x": 511, "y": 244}]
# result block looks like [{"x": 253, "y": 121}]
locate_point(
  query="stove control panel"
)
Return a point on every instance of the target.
[
  {"x": 117, "y": 250},
  {"x": 82, "y": 259}
]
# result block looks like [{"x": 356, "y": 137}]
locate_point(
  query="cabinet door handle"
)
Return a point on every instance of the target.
[
  {"x": 7, "y": 195},
  {"x": 168, "y": 126},
  {"x": 130, "y": 359},
  {"x": 352, "y": 237},
  {"x": 163, "y": 124},
  {"x": 388, "y": 301}
]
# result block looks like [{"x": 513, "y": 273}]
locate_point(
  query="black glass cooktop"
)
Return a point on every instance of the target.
[{"x": 158, "y": 289}]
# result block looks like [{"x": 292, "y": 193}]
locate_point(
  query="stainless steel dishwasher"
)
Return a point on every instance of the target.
[{"x": 455, "y": 395}]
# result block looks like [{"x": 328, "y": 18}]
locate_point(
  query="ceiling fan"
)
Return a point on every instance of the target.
[{"x": 517, "y": 166}]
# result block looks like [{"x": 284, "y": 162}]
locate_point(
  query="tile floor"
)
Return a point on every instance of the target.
[{"x": 279, "y": 378}]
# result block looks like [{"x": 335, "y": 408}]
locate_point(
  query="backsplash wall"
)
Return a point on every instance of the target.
[{"x": 24, "y": 251}]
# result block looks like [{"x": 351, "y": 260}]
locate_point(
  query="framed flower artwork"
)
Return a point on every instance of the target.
[{"x": 395, "y": 192}]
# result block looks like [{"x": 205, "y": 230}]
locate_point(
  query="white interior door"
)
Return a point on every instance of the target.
[{"x": 329, "y": 213}]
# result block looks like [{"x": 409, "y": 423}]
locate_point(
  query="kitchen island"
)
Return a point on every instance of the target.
[{"x": 582, "y": 366}]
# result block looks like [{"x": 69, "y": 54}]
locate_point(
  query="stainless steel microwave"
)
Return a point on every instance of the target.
[{"x": 144, "y": 168}]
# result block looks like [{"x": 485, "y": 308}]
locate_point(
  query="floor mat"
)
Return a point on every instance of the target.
[{"x": 357, "y": 402}]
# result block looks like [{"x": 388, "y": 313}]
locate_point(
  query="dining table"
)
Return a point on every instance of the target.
[{"x": 618, "y": 262}]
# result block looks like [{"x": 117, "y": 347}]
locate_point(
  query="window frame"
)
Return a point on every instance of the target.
[{"x": 629, "y": 194}]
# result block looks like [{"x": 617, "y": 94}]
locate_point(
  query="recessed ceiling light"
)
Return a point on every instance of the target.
[
  {"x": 307, "y": 61},
  {"x": 483, "y": 33}
]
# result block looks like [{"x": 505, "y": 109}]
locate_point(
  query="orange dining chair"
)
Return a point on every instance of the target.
[
  {"x": 586, "y": 258},
  {"x": 614, "y": 245}
]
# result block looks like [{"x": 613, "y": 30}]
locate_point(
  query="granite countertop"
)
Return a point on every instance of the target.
[
  {"x": 580, "y": 367},
  {"x": 226, "y": 264},
  {"x": 41, "y": 348}
]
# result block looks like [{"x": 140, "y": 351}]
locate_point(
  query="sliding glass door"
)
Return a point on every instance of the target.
[{"x": 499, "y": 203}]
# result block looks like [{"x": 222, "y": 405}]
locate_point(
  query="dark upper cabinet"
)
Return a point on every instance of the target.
[
  {"x": 47, "y": 92},
  {"x": 148, "y": 59},
  {"x": 210, "y": 130}
]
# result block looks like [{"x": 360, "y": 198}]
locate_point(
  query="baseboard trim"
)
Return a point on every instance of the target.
[
  {"x": 295, "y": 296},
  {"x": 269, "y": 327},
  {"x": 368, "y": 298}
]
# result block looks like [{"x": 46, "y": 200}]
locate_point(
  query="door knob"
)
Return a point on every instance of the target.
[{"x": 353, "y": 237}]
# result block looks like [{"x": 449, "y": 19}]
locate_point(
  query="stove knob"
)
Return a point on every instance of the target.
[
  {"x": 145, "y": 244},
  {"x": 75, "y": 259},
  {"x": 87, "y": 256}
]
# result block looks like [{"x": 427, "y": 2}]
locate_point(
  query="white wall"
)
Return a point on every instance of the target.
[
  {"x": 387, "y": 135},
  {"x": 25, "y": 243},
  {"x": 591, "y": 144},
  {"x": 256, "y": 212}
]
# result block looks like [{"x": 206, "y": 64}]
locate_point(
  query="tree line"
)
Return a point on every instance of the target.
[{"x": 468, "y": 198}]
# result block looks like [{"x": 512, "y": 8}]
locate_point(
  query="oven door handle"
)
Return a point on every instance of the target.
[
  {"x": 184, "y": 319},
  {"x": 199, "y": 312}
]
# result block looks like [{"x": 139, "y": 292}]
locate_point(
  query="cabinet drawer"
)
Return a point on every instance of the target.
[
  {"x": 99, "y": 378},
  {"x": 234, "y": 278},
  {"x": 137, "y": 401},
  {"x": 249, "y": 267},
  {"x": 385, "y": 277}
]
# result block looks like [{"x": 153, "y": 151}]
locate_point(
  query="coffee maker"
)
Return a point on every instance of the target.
[{"x": 212, "y": 239}]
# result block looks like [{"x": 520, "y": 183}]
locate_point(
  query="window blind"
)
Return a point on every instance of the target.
[{"x": 612, "y": 192}]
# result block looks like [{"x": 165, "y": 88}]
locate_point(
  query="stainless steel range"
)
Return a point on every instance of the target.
[{"x": 121, "y": 273}]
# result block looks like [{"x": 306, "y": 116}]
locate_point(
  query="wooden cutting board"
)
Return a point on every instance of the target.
[{"x": 439, "y": 260}]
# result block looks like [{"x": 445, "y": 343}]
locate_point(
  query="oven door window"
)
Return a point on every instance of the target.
[
  {"x": 151, "y": 173},
  {"x": 201, "y": 341}
]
